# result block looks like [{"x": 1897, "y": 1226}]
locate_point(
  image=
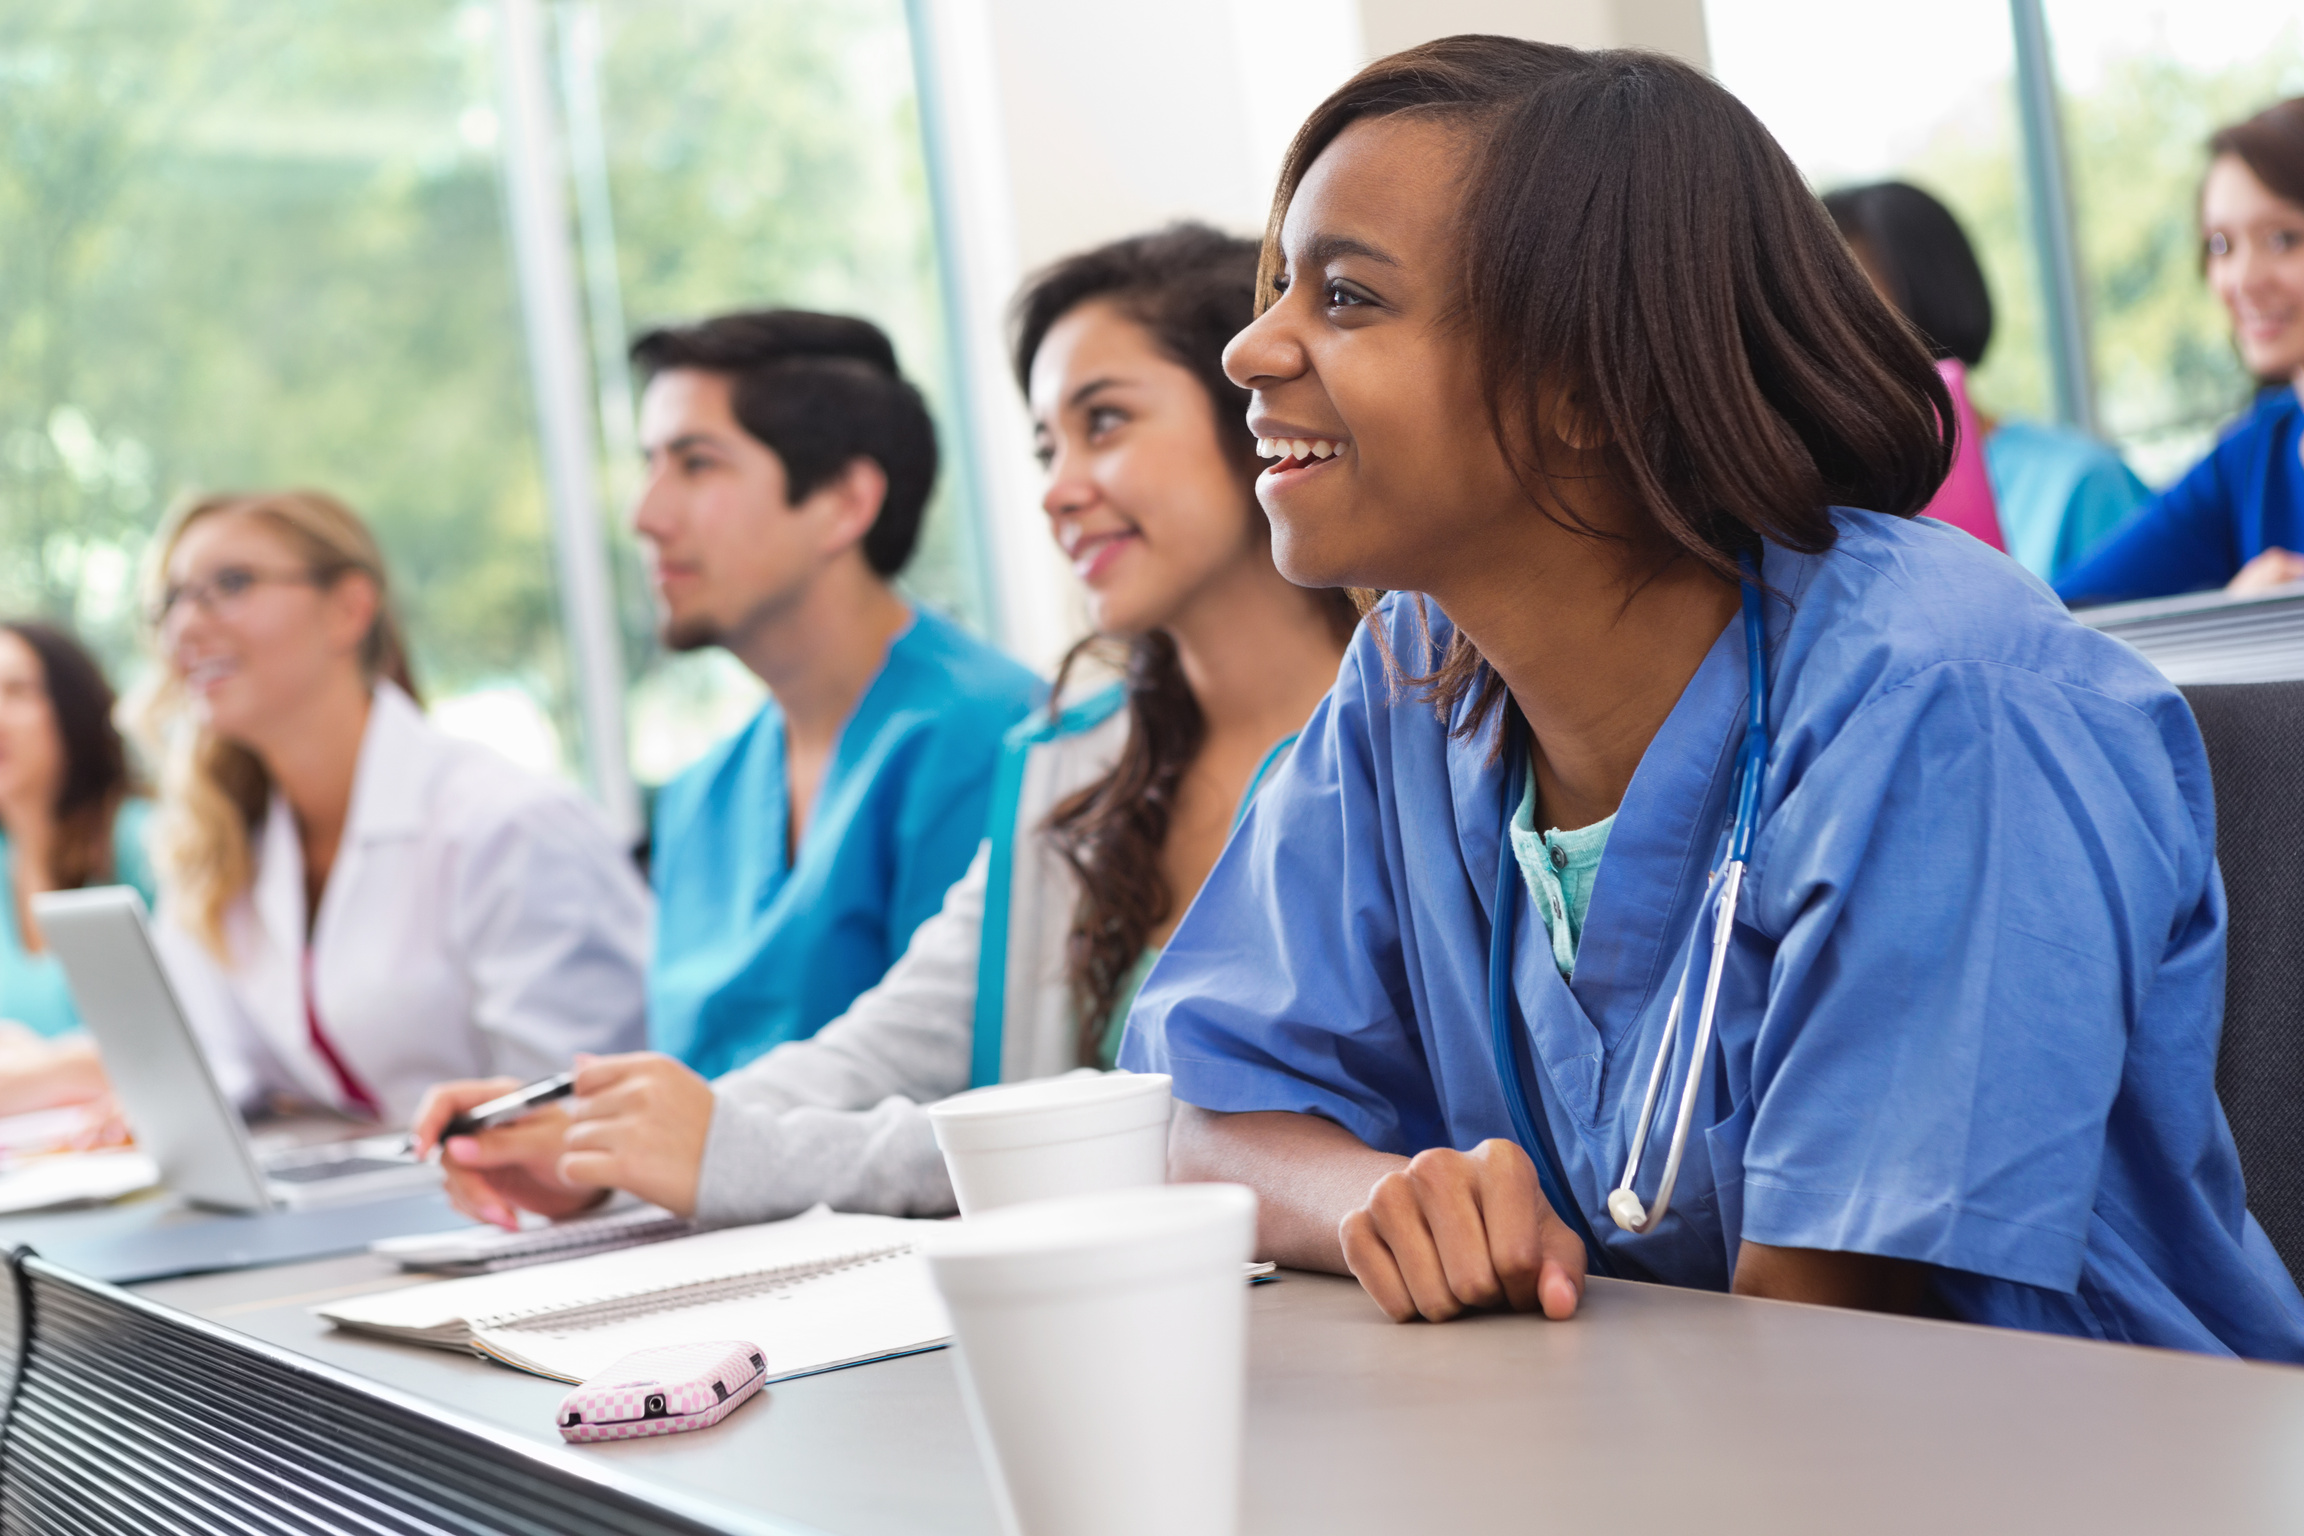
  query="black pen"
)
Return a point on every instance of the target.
[{"x": 511, "y": 1106}]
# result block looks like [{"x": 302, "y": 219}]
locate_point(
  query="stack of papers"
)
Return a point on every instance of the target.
[
  {"x": 40, "y": 1170},
  {"x": 73, "y": 1178}
]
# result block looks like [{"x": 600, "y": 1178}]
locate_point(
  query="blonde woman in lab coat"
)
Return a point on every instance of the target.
[{"x": 355, "y": 905}]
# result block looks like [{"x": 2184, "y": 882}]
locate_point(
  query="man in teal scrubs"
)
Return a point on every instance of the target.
[{"x": 788, "y": 466}]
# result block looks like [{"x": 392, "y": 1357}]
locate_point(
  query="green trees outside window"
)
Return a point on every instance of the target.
[{"x": 265, "y": 244}]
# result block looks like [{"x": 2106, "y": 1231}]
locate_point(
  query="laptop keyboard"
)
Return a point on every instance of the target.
[
  {"x": 333, "y": 1168},
  {"x": 337, "y": 1160}
]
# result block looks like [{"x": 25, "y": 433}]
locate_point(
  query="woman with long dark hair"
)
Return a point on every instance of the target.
[
  {"x": 1703, "y": 870},
  {"x": 1110, "y": 809},
  {"x": 70, "y": 816},
  {"x": 2236, "y": 520}
]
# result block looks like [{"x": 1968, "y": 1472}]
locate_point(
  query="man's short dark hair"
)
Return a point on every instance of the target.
[{"x": 822, "y": 391}]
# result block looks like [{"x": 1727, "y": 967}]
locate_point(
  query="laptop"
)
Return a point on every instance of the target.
[{"x": 166, "y": 1092}]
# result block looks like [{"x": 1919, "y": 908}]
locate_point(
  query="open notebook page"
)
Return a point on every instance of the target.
[
  {"x": 869, "y": 1310},
  {"x": 814, "y": 1292}
]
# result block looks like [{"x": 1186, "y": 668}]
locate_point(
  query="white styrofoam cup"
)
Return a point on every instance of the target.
[
  {"x": 1103, "y": 1344},
  {"x": 1054, "y": 1136}
]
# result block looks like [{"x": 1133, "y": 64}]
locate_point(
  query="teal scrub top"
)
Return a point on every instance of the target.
[
  {"x": 32, "y": 987},
  {"x": 753, "y": 950},
  {"x": 2060, "y": 493}
]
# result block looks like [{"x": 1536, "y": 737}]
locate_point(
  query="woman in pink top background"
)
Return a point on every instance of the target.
[
  {"x": 2054, "y": 493},
  {"x": 1878, "y": 219},
  {"x": 1965, "y": 499}
]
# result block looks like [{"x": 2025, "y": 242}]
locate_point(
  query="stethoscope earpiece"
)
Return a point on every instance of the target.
[{"x": 1629, "y": 1213}]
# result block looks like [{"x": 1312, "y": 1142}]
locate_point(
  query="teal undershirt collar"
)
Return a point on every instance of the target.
[{"x": 1560, "y": 868}]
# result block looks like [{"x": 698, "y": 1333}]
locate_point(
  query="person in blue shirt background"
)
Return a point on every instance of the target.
[
  {"x": 1594, "y": 389},
  {"x": 2237, "y": 519},
  {"x": 2058, "y": 491},
  {"x": 69, "y": 817},
  {"x": 788, "y": 465}
]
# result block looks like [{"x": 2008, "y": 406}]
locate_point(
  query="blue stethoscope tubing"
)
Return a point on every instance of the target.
[{"x": 1720, "y": 894}]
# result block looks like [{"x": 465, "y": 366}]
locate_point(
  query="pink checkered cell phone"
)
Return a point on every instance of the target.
[{"x": 663, "y": 1391}]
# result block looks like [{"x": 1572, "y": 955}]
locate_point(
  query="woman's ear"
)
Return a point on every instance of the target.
[
  {"x": 352, "y": 603},
  {"x": 1572, "y": 421}
]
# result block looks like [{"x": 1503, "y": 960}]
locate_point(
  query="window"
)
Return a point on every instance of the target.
[
  {"x": 251, "y": 246},
  {"x": 1863, "y": 93},
  {"x": 1860, "y": 93},
  {"x": 758, "y": 152},
  {"x": 2144, "y": 83}
]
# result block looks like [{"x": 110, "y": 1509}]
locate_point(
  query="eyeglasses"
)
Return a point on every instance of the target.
[{"x": 217, "y": 593}]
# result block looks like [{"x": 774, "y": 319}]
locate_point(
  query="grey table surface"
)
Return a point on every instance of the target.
[{"x": 1656, "y": 1408}]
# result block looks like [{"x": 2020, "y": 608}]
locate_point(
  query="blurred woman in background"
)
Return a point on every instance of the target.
[
  {"x": 2237, "y": 519},
  {"x": 69, "y": 817},
  {"x": 354, "y": 904},
  {"x": 2055, "y": 492},
  {"x": 1111, "y": 807}
]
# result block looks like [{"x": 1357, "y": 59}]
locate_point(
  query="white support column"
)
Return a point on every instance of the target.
[
  {"x": 1034, "y": 607},
  {"x": 1056, "y": 126},
  {"x": 552, "y": 316},
  {"x": 1668, "y": 26},
  {"x": 2055, "y": 240}
]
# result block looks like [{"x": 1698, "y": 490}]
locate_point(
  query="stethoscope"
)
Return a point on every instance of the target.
[{"x": 1720, "y": 893}]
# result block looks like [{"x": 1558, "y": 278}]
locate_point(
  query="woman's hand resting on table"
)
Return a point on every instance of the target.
[
  {"x": 1432, "y": 1236},
  {"x": 2273, "y": 568},
  {"x": 1448, "y": 1232},
  {"x": 635, "y": 1122},
  {"x": 1453, "y": 1230}
]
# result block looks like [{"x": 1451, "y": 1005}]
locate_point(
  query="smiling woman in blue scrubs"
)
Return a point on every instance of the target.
[{"x": 1557, "y": 348}]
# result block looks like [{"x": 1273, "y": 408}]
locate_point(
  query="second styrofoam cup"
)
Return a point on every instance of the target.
[
  {"x": 1103, "y": 1345},
  {"x": 1054, "y": 1136}
]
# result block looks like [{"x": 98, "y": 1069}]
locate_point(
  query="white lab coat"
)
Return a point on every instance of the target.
[{"x": 480, "y": 919}]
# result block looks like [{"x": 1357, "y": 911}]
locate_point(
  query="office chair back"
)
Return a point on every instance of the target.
[{"x": 2255, "y": 737}]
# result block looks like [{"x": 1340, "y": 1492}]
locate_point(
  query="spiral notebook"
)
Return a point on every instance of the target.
[{"x": 815, "y": 1293}]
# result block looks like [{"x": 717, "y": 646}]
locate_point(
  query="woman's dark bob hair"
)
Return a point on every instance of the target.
[
  {"x": 1923, "y": 256},
  {"x": 1631, "y": 232}
]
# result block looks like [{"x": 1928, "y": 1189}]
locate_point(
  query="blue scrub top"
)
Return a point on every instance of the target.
[
  {"x": 752, "y": 951},
  {"x": 2246, "y": 497},
  {"x": 33, "y": 991},
  {"x": 1972, "y": 998}
]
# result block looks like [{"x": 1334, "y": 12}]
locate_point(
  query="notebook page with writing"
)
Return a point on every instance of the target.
[{"x": 549, "y": 1318}]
